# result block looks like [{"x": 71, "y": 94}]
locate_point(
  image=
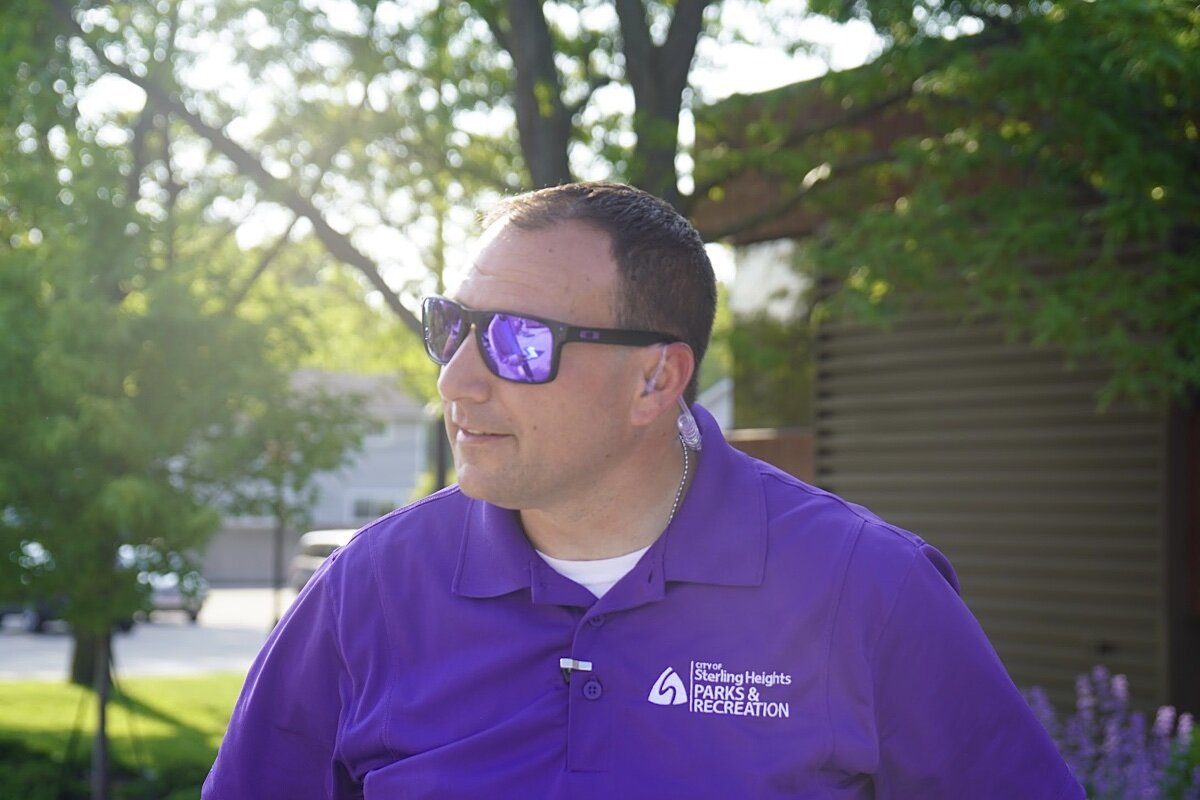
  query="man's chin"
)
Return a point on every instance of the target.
[{"x": 479, "y": 488}]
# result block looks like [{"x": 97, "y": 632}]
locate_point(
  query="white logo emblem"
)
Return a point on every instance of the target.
[
  {"x": 713, "y": 687},
  {"x": 668, "y": 689}
]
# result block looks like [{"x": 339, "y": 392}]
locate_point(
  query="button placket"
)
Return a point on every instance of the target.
[{"x": 589, "y": 724}]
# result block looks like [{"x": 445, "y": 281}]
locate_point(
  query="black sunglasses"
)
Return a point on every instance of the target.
[{"x": 515, "y": 347}]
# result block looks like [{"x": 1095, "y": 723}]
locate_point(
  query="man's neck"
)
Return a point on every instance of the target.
[{"x": 625, "y": 512}]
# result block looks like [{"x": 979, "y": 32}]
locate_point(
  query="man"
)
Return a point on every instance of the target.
[{"x": 612, "y": 603}]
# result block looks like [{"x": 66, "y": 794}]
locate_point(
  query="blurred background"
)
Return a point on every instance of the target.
[{"x": 958, "y": 244}]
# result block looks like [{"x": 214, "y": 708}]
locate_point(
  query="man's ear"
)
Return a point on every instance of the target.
[
  {"x": 663, "y": 381},
  {"x": 652, "y": 381}
]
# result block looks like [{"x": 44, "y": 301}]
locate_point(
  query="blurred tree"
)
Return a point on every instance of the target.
[
  {"x": 772, "y": 371},
  {"x": 317, "y": 312},
  {"x": 382, "y": 124},
  {"x": 276, "y": 453},
  {"x": 719, "y": 359},
  {"x": 1032, "y": 161},
  {"x": 111, "y": 377},
  {"x": 121, "y": 365},
  {"x": 372, "y": 127}
]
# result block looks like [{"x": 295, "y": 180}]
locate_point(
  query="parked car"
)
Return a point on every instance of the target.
[
  {"x": 34, "y": 610},
  {"x": 34, "y": 615},
  {"x": 173, "y": 591},
  {"x": 312, "y": 550},
  {"x": 37, "y": 615},
  {"x": 174, "y": 584}
]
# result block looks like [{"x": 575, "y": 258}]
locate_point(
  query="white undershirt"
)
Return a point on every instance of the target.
[{"x": 596, "y": 576}]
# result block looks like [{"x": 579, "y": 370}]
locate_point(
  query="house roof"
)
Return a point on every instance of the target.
[
  {"x": 764, "y": 161},
  {"x": 386, "y": 398}
]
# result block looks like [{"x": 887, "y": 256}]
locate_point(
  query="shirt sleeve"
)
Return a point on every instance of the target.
[
  {"x": 282, "y": 737},
  {"x": 950, "y": 722}
]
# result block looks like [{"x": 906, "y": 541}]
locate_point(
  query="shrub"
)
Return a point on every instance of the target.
[{"x": 1114, "y": 750}]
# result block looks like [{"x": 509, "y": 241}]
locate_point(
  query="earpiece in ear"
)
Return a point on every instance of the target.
[
  {"x": 689, "y": 431},
  {"x": 652, "y": 381}
]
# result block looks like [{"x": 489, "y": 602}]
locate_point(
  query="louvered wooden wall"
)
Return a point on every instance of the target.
[{"x": 992, "y": 451}]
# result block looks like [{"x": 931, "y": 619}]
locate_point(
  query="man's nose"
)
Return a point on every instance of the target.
[{"x": 465, "y": 376}]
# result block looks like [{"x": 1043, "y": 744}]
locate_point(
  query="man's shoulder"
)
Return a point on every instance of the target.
[
  {"x": 446, "y": 506},
  {"x": 817, "y": 520},
  {"x": 812, "y": 508},
  {"x": 431, "y": 523},
  {"x": 864, "y": 560}
]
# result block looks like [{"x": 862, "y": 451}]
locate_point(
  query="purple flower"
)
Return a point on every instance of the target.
[
  {"x": 1114, "y": 750},
  {"x": 1164, "y": 721}
]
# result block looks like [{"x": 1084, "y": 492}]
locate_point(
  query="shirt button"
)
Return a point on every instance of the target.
[
  {"x": 596, "y": 621},
  {"x": 592, "y": 689}
]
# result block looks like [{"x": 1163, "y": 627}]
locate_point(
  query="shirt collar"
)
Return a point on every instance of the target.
[
  {"x": 496, "y": 558},
  {"x": 718, "y": 535}
]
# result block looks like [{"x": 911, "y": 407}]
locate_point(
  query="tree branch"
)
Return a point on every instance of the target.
[
  {"x": 797, "y": 137},
  {"x": 263, "y": 262},
  {"x": 487, "y": 10},
  {"x": 594, "y": 83},
  {"x": 542, "y": 120},
  {"x": 995, "y": 35},
  {"x": 679, "y": 48},
  {"x": 336, "y": 243},
  {"x": 636, "y": 44},
  {"x": 271, "y": 254},
  {"x": 792, "y": 199}
]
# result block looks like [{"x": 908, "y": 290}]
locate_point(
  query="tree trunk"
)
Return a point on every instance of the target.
[
  {"x": 543, "y": 121},
  {"x": 653, "y": 164},
  {"x": 658, "y": 75},
  {"x": 100, "y": 683},
  {"x": 83, "y": 659}
]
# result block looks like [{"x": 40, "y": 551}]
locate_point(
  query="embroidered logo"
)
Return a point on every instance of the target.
[
  {"x": 713, "y": 688},
  {"x": 668, "y": 689}
]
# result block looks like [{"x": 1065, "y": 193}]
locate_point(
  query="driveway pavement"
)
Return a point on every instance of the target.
[{"x": 231, "y": 629}]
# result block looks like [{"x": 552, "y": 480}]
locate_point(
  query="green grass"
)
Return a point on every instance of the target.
[{"x": 163, "y": 735}]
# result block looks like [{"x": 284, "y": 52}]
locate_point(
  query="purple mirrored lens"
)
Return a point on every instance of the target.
[
  {"x": 444, "y": 329},
  {"x": 520, "y": 349}
]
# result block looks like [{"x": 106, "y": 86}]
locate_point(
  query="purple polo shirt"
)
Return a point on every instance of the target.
[{"x": 776, "y": 641}]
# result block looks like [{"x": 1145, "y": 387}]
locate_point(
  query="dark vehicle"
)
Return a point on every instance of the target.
[
  {"x": 37, "y": 616},
  {"x": 22, "y": 601},
  {"x": 34, "y": 615},
  {"x": 169, "y": 581}
]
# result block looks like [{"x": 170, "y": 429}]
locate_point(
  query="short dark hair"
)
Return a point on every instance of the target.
[{"x": 665, "y": 282}]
